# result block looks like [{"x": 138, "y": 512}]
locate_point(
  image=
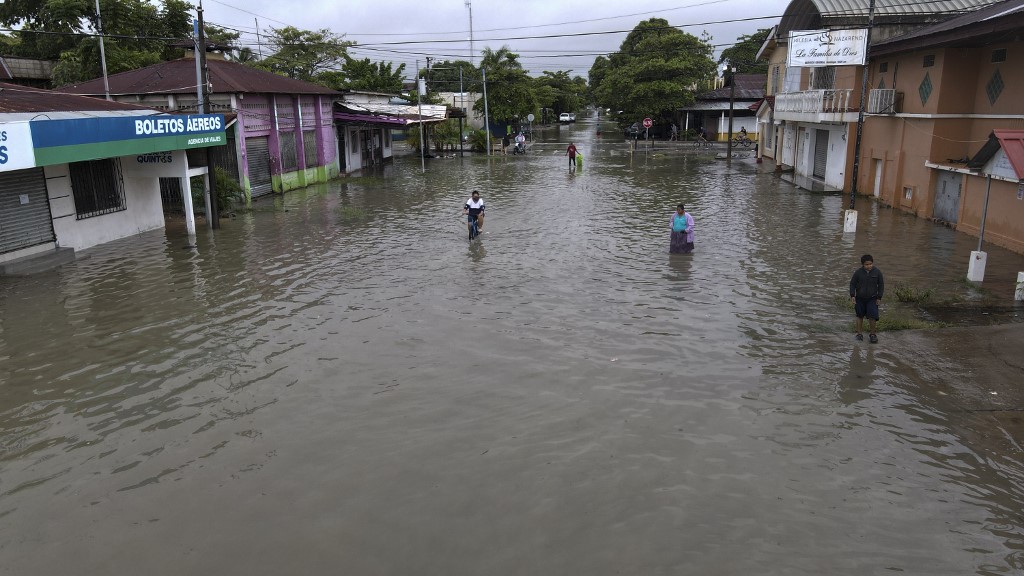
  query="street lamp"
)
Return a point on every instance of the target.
[{"x": 732, "y": 100}]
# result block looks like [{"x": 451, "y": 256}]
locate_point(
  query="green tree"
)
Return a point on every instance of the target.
[
  {"x": 304, "y": 54},
  {"x": 136, "y": 35},
  {"x": 510, "y": 94},
  {"x": 444, "y": 76},
  {"x": 656, "y": 71},
  {"x": 61, "y": 20},
  {"x": 743, "y": 54},
  {"x": 556, "y": 90},
  {"x": 366, "y": 75}
]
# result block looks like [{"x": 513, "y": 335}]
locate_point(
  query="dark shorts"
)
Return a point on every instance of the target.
[
  {"x": 471, "y": 217},
  {"x": 867, "y": 308}
]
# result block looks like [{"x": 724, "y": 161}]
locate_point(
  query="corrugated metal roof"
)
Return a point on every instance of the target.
[
  {"x": 22, "y": 99},
  {"x": 748, "y": 87},
  {"x": 812, "y": 14},
  {"x": 978, "y": 18},
  {"x": 179, "y": 77}
]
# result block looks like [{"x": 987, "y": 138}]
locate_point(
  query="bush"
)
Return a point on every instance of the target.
[
  {"x": 478, "y": 141},
  {"x": 907, "y": 293},
  {"x": 227, "y": 188}
]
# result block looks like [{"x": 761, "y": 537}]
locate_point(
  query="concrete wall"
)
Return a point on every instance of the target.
[
  {"x": 142, "y": 199},
  {"x": 1004, "y": 224},
  {"x": 948, "y": 128}
]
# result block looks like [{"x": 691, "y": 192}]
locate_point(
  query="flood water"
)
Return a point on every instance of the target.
[{"x": 338, "y": 382}]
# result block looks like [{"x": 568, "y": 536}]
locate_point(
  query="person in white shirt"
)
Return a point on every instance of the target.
[{"x": 474, "y": 209}]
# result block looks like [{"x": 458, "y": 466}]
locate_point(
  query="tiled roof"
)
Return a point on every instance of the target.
[
  {"x": 1011, "y": 142},
  {"x": 14, "y": 98},
  {"x": 179, "y": 77}
]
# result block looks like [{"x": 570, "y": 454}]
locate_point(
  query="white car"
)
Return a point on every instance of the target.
[
  {"x": 565, "y": 117},
  {"x": 572, "y": 116}
]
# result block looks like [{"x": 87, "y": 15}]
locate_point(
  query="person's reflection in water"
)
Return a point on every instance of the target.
[
  {"x": 855, "y": 384},
  {"x": 678, "y": 274},
  {"x": 477, "y": 251}
]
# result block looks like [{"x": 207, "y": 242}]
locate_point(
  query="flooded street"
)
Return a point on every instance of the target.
[{"x": 337, "y": 382}]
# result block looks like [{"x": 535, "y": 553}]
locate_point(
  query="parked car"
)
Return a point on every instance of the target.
[
  {"x": 572, "y": 116},
  {"x": 564, "y": 117}
]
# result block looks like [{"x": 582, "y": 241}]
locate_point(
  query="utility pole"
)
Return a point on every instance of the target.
[
  {"x": 850, "y": 222},
  {"x": 214, "y": 215},
  {"x": 472, "y": 57},
  {"x": 732, "y": 101},
  {"x": 103, "y": 54},
  {"x": 462, "y": 106},
  {"x": 419, "y": 105},
  {"x": 487, "y": 118}
]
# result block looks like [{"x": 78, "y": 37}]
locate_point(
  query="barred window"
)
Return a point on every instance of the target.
[
  {"x": 883, "y": 67},
  {"x": 98, "y": 187},
  {"x": 289, "y": 160},
  {"x": 309, "y": 147},
  {"x": 929, "y": 61},
  {"x": 999, "y": 55}
]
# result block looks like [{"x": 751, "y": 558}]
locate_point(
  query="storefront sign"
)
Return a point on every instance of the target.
[
  {"x": 59, "y": 141},
  {"x": 818, "y": 48},
  {"x": 169, "y": 164},
  {"x": 16, "y": 147}
]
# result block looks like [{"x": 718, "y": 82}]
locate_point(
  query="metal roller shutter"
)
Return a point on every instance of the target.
[
  {"x": 257, "y": 152},
  {"x": 820, "y": 153},
  {"x": 24, "y": 210}
]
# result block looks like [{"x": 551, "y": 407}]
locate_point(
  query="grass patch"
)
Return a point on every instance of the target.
[
  {"x": 895, "y": 322},
  {"x": 906, "y": 293}
]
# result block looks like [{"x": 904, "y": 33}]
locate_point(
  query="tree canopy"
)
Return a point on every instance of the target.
[
  {"x": 657, "y": 70},
  {"x": 364, "y": 75},
  {"x": 509, "y": 91},
  {"x": 304, "y": 54},
  {"x": 743, "y": 54}
]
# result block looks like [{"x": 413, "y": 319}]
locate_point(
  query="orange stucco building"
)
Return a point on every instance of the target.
[{"x": 937, "y": 96}]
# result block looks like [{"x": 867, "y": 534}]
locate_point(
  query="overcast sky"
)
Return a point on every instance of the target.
[{"x": 401, "y": 31}]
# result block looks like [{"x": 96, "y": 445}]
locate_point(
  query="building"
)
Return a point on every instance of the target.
[
  {"x": 366, "y": 121},
  {"x": 815, "y": 106},
  {"x": 78, "y": 171},
  {"x": 281, "y": 131},
  {"x": 711, "y": 109},
  {"x": 945, "y": 112},
  {"x": 26, "y": 71}
]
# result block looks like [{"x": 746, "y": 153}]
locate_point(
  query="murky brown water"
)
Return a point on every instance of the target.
[{"x": 338, "y": 383}]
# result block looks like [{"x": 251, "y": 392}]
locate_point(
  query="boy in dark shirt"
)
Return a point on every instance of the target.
[{"x": 866, "y": 288}]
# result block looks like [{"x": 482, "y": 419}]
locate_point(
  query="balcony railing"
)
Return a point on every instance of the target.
[
  {"x": 814, "y": 101},
  {"x": 884, "y": 101}
]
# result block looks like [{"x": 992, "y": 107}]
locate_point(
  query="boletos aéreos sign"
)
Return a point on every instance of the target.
[{"x": 75, "y": 140}]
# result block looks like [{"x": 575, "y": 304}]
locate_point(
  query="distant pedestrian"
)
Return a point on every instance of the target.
[
  {"x": 682, "y": 231},
  {"x": 675, "y": 132},
  {"x": 866, "y": 289},
  {"x": 505, "y": 141},
  {"x": 571, "y": 153}
]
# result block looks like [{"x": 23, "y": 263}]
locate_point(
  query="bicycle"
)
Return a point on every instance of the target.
[
  {"x": 742, "y": 141},
  {"x": 701, "y": 143},
  {"x": 473, "y": 230}
]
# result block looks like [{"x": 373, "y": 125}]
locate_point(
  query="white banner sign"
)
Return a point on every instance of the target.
[
  {"x": 16, "y": 151},
  {"x": 818, "y": 48}
]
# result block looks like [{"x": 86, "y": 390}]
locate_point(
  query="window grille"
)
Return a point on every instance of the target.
[
  {"x": 775, "y": 79},
  {"x": 999, "y": 55},
  {"x": 883, "y": 67},
  {"x": 98, "y": 187},
  {"x": 309, "y": 147},
  {"x": 929, "y": 61},
  {"x": 823, "y": 78},
  {"x": 994, "y": 87},
  {"x": 289, "y": 160},
  {"x": 925, "y": 89}
]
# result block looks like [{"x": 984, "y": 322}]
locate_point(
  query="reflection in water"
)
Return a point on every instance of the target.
[{"x": 341, "y": 363}]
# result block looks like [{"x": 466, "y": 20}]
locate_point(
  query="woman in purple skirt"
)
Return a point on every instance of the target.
[{"x": 682, "y": 231}]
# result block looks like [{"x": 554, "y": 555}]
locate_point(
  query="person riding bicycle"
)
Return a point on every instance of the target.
[
  {"x": 474, "y": 210},
  {"x": 702, "y": 136}
]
